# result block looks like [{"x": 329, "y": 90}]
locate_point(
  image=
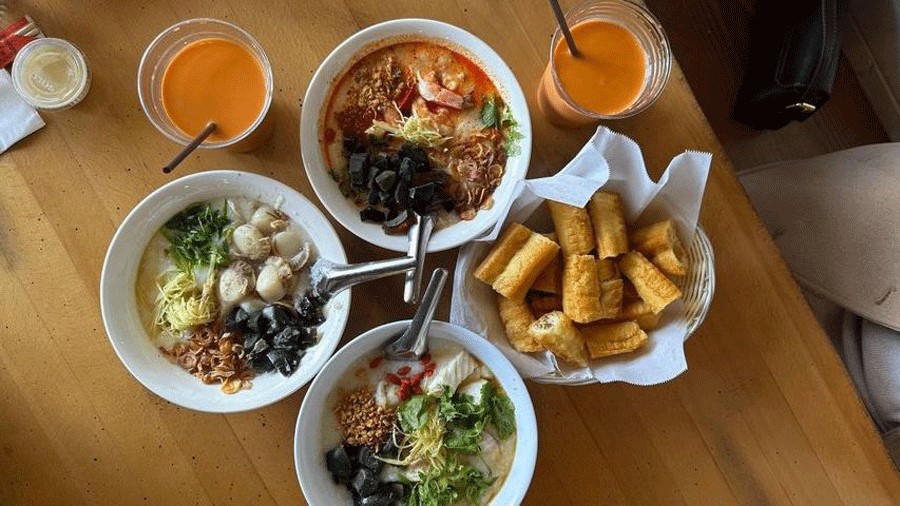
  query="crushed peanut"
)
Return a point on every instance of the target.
[{"x": 362, "y": 421}]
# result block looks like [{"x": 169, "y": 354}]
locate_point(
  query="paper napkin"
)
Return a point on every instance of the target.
[{"x": 17, "y": 119}]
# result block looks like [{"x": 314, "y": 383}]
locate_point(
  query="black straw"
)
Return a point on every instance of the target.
[
  {"x": 207, "y": 130},
  {"x": 561, "y": 19}
]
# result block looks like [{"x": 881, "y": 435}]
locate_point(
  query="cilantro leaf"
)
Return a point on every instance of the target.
[
  {"x": 502, "y": 412},
  {"x": 413, "y": 413},
  {"x": 511, "y": 133},
  {"x": 449, "y": 484},
  {"x": 455, "y": 406},
  {"x": 490, "y": 116},
  {"x": 465, "y": 438}
]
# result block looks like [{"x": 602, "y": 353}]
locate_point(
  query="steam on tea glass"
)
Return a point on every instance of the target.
[
  {"x": 623, "y": 67},
  {"x": 204, "y": 70}
]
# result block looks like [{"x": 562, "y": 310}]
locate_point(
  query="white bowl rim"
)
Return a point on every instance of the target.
[
  {"x": 346, "y": 213},
  {"x": 131, "y": 220},
  {"x": 521, "y": 471}
]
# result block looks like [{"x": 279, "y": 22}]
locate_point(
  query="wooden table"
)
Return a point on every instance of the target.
[{"x": 765, "y": 414}]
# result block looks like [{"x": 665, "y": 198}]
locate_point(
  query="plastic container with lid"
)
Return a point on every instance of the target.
[{"x": 51, "y": 74}]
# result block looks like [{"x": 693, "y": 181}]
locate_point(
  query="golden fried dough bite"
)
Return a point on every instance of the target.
[
  {"x": 517, "y": 318},
  {"x": 611, "y": 298},
  {"x": 550, "y": 279},
  {"x": 639, "y": 312},
  {"x": 651, "y": 284},
  {"x": 648, "y": 321},
  {"x": 660, "y": 243},
  {"x": 507, "y": 245},
  {"x": 669, "y": 262},
  {"x": 629, "y": 293},
  {"x": 544, "y": 303},
  {"x": 556, "y": 332},
  {"x": 581, "y": 289},
  {"x": 608, "y": 339},
  {"x": 573, "y": 228},
  {"x": 654, "y": 238},
  {"x": 635, "y": 309},
  {"x": 525, "y": 266},
  {"x": 608, "y": 220},
  {"x": 607, "y": 269}
]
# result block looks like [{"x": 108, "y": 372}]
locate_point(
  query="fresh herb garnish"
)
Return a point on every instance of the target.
[
  {"x": 501, "y": 410},
  {"x": 496, "y": 114},
  {"x": 449, "y": 484},
  {"x": 459, "y": 406},
  {"x": 511, "y": 133},
  {"x": 465, "y": 421},
  {"x": 490, "y": 115},
  {"x": 437, "y": 431},
  {"x": 414, "y": 413},
  {"x": 198, "y": 236}
]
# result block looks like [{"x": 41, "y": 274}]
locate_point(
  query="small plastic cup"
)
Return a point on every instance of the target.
[
  {"x": 555, "y": 103},
  {"x": 51, "y": 74},
  {"x": 156, "y": 60}
]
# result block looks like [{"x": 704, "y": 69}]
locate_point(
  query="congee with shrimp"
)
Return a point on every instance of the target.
[
  {"x": 438, "y": 431},
  {"x": 221, "y": 292},
  {"x": 417, "y": 127}
]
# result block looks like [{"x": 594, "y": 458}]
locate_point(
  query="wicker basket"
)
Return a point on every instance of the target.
[{"x": 697, "y": 288}]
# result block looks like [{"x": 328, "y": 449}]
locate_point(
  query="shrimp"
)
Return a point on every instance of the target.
[
  {"x": 439, "y": 119},
  {"x": 431, "y": 91}
]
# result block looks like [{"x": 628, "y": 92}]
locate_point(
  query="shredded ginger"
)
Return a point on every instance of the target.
[
  {"x": 181, "y": 304},
  {"x": 412, "y": 129},
  {"x": 425, "y": 445}
]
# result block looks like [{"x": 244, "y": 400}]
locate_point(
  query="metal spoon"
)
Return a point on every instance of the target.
[
  {"x": 413, "y": 342},
  {"x": 327, "y": 279},
  {"x": 419, "y": 235}
]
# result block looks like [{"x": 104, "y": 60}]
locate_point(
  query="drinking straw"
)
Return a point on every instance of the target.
[
  {"x": 207, "y": 130},
  {"x": 561, "y": 19}
]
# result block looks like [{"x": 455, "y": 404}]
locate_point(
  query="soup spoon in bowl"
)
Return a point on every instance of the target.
[{"x": 413, "y": 342}]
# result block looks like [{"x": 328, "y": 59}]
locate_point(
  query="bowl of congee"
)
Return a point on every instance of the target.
[
  {"x": 455, "y": 427},
  {"x": 205, "y": 291},
  {"x": 205, "y": 70},
  {"x": 413, "y": 117}
]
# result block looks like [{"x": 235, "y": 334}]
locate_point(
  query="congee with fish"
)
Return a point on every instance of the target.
[{"x": 437, "y": 431}]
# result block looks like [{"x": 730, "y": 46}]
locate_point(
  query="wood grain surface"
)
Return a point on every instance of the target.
[{"x": 764, "y": 415}]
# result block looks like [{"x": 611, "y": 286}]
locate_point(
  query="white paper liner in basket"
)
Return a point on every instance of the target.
[{"x": 614, "y": 162}]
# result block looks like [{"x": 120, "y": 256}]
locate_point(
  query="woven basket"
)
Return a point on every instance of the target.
[{"x": 697, "y": 288}]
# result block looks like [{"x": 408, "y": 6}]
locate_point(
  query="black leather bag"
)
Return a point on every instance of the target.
[{"x": 794, "y": 53}]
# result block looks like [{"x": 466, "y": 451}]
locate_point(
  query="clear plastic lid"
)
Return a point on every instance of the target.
[{"x": 51, "y": 74}]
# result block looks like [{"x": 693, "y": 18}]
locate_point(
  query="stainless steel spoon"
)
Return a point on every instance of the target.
[
  {"x": 419, "y": 235},
  {"x": 413, "y": 342},
  {"x": 327, "y": 279}
]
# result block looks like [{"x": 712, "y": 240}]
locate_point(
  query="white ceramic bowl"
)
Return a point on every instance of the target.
[
  {"x": 118, "y": 301},
  {"x": 310, "y": 441},
  {"x": 348, "y": 53}
]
